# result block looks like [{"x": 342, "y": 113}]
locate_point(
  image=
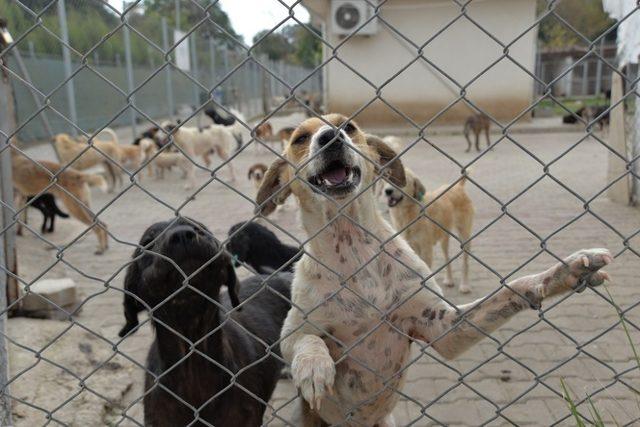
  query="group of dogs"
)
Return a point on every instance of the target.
[
  {"x": 341, "y": 312},
  {"x": 33, "y": 179}
]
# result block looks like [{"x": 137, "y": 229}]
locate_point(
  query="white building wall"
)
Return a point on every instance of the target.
[{"x": 462, "y": 51}]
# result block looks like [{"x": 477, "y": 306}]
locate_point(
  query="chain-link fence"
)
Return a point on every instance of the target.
[{"x": 370, "y": 330}]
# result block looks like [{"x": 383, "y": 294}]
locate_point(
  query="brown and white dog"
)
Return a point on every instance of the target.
[
  {"x": 196, "y": 142},
  {"x": 80, "y": 156},
  {"x": 72, "y": 187},
  {"x": 360, "y": 295},
  {"x": 448, "y": 209},
  {"x": 256, "y": 174}
]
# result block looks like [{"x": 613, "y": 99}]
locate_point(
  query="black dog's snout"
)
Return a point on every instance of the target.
[
  {"x": 332, "y": 136},
  {"x": 181, "y": 234},
  {"x": 388, "y": 191}
]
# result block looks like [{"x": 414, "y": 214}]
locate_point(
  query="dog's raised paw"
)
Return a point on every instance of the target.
[
  {"x": 313, "y": 375},
  {"x": 578, "y": 270}
]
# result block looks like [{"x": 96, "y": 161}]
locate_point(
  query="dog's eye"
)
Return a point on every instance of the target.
[
  {"x": 349, "y": 128},
  {"x": 301, "y": 139}
]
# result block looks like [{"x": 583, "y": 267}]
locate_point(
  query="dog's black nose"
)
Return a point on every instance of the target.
[
  {"x": 331, "y": 136},
  {"x": 181, "y": 234},
  {"x": 388, "y": 191}
]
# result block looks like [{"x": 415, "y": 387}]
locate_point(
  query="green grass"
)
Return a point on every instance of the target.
[
  {"x": 593, "y": 410},
  {"x": 572, "y": 104}
]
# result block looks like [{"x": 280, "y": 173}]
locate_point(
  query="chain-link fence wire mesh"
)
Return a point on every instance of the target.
[{"x": 622, "y": 377}]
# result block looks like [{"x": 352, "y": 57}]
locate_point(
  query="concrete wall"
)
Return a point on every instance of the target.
[{"x": 462, "y": 51}]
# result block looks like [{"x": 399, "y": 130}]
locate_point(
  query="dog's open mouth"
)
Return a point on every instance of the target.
[
  {"x": 393, "y": 200},
  {"x": 336, "y": 179}
]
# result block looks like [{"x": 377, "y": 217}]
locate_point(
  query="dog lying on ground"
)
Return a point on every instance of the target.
[
  {"x": 589, "y": 114},
  {"x": 356, "y": 308},
  {"x": 198, "y": 345},
  {"x": 69, "y": 149},
  {"x": 45, "y": 203},
  {"x": 233, "y": 122},
  {"x": 446, "y": 212},
  {"x": 256, "y": 173},
  {"x": 477, "y": 123},
  {"x": 72, "y": 187},
  {"x": 195, "y": 142},
  {"x": 253, "y": 244}
]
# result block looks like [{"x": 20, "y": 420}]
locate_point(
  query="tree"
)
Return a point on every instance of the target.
[
  {"x": 296, "y": 44},
  {"x": 586, "y": 16}
]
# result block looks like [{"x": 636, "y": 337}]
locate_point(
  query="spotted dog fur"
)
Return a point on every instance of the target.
[{"x": 359, "y": 297}]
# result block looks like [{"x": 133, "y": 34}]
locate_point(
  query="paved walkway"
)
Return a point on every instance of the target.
[{"x": 512, "y": 378}]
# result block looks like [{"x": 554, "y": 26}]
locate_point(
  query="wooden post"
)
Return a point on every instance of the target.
[{"x": 620, "y": 191}]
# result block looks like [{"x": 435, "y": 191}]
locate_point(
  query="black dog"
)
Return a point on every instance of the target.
[
  {"x": 46, "y": 203},
  {"x": 218, "y": 119},
  {"x": 205, "y": 366},
  {"x": 257, "y": 246}
]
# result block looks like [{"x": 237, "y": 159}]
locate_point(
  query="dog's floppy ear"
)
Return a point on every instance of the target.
[
  {"x": 232, "y": 284},
  {"x": 386, "y": 155},
  {"x": 132, "y": 305},
  {"x": 271, "y": 192},
  {"x": 418, "y": 189}
]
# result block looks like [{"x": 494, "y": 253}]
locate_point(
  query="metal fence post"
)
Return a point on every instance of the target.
[
  {"x": 598, "y": 88},
  {"x": 165, "y": 47},
  {"x": 8, "y": 260},
  {"x": 194, "y": 66},
  {"x": 212, "y": 61},
  {"x": 129, "y": 68},
  {"x": 66, "y": 56}
]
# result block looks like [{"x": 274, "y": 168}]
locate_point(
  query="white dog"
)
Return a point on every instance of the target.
[
  {"x": 196, "y": 142},
  {"x": 360, "y": 293}
]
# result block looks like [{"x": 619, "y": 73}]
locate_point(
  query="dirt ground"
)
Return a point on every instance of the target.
[{"x": 78, "y": 372}]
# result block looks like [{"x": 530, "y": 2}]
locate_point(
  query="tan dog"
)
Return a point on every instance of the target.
[
  {"x": 80, "y": 156},
  {"x": 446, "y": 211},
  {"x": 72, "y": 187},
  {"x": 360, "y": 294},
  {"x": 256, "y": 174},
  {"x": 167, "y": 160},
  {"x": 477, "y": 123},
  {"x": 132, "y": 156}
]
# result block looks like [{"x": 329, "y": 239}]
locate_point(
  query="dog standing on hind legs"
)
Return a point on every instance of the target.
[
  {"x": 477, "y": 123},
  {"x": 355, "y": 314}
]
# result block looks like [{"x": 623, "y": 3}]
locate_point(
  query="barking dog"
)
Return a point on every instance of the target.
[
  {"x": 359, "y": 296},
  {"x": 46, "y": 203},
  {"x": 446, "y": 211},
  {"x": 477, "y": 123},
  {"x": 259, "y": 247},
  {"x": 256, "y": 174},
  {"x": 72, "y": 187},
  {"x": 198, "y": 345},
  {"x": 196, "y": 142}
]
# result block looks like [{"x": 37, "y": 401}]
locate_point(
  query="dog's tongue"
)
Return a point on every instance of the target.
[{"x": 335, "y": 176}]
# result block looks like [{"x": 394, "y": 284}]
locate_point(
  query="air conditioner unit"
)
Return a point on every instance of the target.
[{"x": 348, "y": 16}]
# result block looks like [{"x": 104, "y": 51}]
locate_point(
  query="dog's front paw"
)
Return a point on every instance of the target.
[
  {"x": 577, "y": 271},
  {"x": 313, "y": 375}
]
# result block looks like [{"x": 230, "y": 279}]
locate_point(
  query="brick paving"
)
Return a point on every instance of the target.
[{"x": 514, "y": 377}]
